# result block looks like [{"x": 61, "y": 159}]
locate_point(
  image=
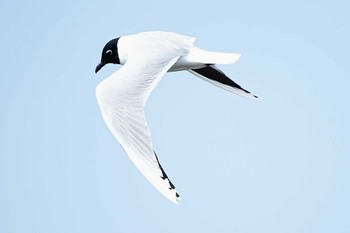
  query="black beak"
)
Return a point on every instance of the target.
[{"x": 99, "y": 66}]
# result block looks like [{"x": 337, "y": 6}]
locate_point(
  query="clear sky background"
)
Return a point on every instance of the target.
[{"x": 280, "y": 164}]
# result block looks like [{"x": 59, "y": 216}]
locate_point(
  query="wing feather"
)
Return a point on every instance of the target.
[{"x": 123, "y": 95}]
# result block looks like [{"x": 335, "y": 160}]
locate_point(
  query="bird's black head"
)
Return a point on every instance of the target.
[{"x": 109, "y": 54}]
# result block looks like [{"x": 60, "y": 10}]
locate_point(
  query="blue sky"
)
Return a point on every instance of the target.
[{"x": 280, "y": 164}]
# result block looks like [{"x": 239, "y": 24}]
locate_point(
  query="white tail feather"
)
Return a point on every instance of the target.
[{"x": 208, "y": 57}]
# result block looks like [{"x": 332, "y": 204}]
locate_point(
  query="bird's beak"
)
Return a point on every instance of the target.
[{"x": 99, "y": 66}]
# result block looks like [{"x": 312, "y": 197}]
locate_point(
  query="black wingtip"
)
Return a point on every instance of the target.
[
  {"x": 164, "y": 175},
  {"x": 212, "y": 73}
]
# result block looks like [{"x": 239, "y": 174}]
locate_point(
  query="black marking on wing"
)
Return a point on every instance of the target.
[
  {"x": 213, "y": 73},
  {"x": 165, "y": 176}
]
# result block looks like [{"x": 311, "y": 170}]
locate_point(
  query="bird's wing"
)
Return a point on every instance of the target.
[
  {"x": 123, "y": 95},
  {"x": 212, "y": 74}
]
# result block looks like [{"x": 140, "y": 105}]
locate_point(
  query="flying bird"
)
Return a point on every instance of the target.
[{"x": 146, "y": 57}]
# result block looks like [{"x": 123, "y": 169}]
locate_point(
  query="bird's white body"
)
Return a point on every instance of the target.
[
  {"x": 195, "y": 58},
  {"x": 146, "y": 57}
]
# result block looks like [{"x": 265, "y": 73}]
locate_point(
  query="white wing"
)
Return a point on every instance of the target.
[{"x": 123, "y": 95}]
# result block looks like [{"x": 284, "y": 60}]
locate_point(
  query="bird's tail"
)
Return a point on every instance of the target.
[{"x": 208, "y": 57}]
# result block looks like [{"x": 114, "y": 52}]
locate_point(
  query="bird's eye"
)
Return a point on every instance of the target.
[{"x": 109, "y": 52}]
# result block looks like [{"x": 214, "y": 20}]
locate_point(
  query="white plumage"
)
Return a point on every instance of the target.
[{"x": 146, "y": 57}]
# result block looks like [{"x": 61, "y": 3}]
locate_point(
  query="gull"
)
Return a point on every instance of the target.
[{"x": 145, "y": 58}]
